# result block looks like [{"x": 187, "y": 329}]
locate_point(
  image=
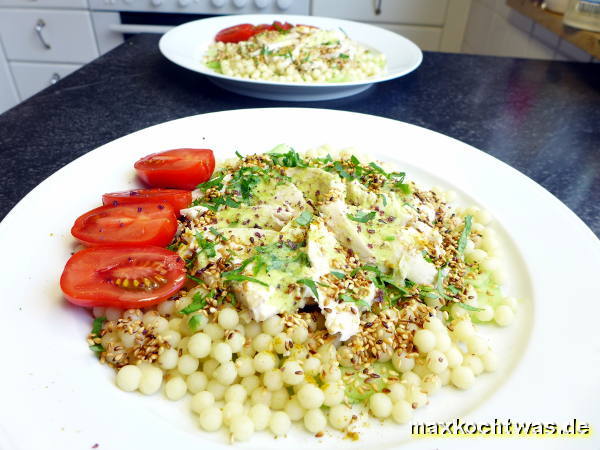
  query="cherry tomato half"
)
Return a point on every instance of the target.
[
  {"x": 135, "y": 223},
  {"x": 279, "y": 26},
  {"x": 122, "y": 277},
  {"x": 183, "y": 168},
  {"x": 177, "y": 198},
  {"x": 236, "y": 33}
]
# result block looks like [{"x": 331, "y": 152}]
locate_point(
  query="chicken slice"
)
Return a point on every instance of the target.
[{"x": 335, "y": 217}]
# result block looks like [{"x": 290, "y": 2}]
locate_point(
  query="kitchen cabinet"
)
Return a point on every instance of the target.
[
  {"x": 8, "y": 93},
  {"x": 31, "y": 77},
  {"x": 43, "y": 41},
  {"x": 432, "y": 24}
]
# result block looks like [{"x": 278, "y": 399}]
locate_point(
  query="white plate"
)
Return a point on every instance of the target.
[
  {"x": 186, "y": 44},
  {"x": 54, "y": 393}
]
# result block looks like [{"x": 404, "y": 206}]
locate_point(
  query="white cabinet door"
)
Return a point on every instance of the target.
[
  {"x": 81, "y": 4},
  {"x": 411, "y": 12},
  {"x": 427, "y": 38},
  {"x": 46, "y": 35},
  {"x": 8, "y": 93},
  {"x": 33, "y": 77}
]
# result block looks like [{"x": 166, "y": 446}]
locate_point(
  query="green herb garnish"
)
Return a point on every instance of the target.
[
  {"x": 310, "y": 284},
  {"x": 198, "y": 302},
  {"x": 304, "y": 218},
  {"x": 196, "y": 279},
  {"x": 344, "y": 56},
  {"x": 238, "y": 277},
  {"x": 362, "y": 217},
  {"x": 464, "y": 236},
  {"x": 214, "y": 65},
  {"x": 339, "y": 275},
  {"x": 217, "y": 233},
  {"x": 97, "y": 325},
  {"x": 195, "y": 322},
  {"x": 97, "y": 348}
]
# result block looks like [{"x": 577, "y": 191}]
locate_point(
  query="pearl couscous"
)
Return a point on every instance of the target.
[
  {"x": 323, "y": 287},
  {"x": 300, "y": 54}
]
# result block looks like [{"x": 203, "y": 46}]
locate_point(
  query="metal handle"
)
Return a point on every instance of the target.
[
  {"x": 54, "y": 79},
  {"x": 377, "y": 7},
  {"x": 39, "y": 26}
]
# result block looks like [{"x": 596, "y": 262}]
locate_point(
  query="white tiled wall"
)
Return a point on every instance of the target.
[{"x": 495, "y": 29}]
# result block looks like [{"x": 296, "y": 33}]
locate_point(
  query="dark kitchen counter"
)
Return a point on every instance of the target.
[{"x": 541, "y": 117}]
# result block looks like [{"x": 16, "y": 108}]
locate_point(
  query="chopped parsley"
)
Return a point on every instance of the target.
[
  {"x": 344, "y": 56},
  {"x": 389, "y": 238},
  {"x": 291, "y": 158},
  {"x": 206, "y": 247},
  {"x": 362, "y": 217}
]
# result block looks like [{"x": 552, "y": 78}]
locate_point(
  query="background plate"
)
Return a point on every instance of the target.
[
  {"x": 186, "y": 44},
  {"x": 54, "y": 391}
]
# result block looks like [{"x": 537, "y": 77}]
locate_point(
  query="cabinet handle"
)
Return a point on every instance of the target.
[
  {"x": 54, "y": 79},
  {"x": 377, "y": 7},
  {"x": 39, "y": 26}
]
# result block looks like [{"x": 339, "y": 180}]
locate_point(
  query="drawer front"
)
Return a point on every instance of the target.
[
  {"x": 8, "y": 93},
  {"x": 33, "y": 77},
  {"x": 427, "y": 38},
  {"x": 46, "y": 35},
  {"x": 44, "y": 3},
  {"x": 411, "y": 12}
]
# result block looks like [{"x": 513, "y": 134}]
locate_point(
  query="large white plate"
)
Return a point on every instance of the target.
[
  {"x": 55, "y": 394},
  {"x": 186, "y": 44}
]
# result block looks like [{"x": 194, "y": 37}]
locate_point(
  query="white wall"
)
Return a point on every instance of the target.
[{"x": 495, "y": 29}]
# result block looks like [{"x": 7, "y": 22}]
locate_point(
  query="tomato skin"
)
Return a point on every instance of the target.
[
  {"x": 182, "y": 168},
  {"x": 236, "y": 33},
  {"x": 177, "y": 198},
  {"x": 285, "y": 26},
  {"x": 89, "y": 277},
  {"x": 149, "y": 223},
  {"x": 262, "y": 28}
]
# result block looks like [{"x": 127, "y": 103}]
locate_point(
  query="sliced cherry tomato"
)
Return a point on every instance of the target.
[
  {"x": 279, "y": 26},
  {"x": 122, "y": 277},
  {"x": 182, "y": 168},
  {"x": 237, "y": 33},
  {"x": 136, "y": 223},
  {"x": 177, "y": 198}
]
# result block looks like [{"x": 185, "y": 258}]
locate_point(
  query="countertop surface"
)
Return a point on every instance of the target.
[{"x": 540, "y": 117}]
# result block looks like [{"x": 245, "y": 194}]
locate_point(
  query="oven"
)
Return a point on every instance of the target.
[{"x": 115, "y": 20}]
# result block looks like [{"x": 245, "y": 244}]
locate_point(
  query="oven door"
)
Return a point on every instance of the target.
[{"x": 112, "y": 28}]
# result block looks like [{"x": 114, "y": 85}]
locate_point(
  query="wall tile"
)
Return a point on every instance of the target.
[
  {"x": 520, "y": 21},
  {"x": 478, "y": 25},
  {"x": 536, "y": 49}
]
